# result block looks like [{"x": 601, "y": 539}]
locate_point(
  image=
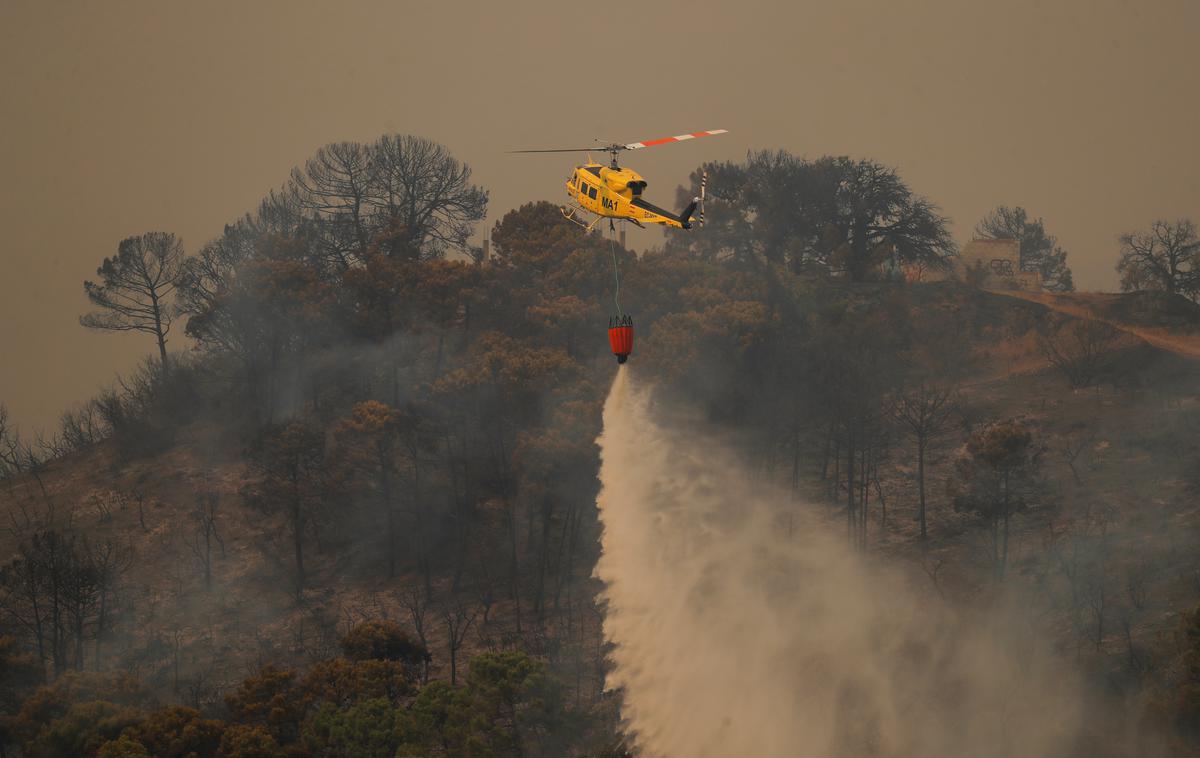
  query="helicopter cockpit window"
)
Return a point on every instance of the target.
[{"x": 592, "y": 192}]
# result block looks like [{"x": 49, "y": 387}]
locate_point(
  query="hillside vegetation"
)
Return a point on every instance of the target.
[{"x": 357, "y": 516}]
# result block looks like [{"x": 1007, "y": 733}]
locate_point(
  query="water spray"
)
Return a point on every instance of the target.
[{"x": 742, "y": 625}]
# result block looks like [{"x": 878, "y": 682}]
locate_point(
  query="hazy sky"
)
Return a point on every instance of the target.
[{"x": 118, "y": 118}]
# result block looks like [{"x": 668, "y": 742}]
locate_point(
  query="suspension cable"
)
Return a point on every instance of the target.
[{"x": 612, "y": 248}]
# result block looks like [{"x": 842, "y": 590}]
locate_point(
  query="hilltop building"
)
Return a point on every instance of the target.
[
  {"x": 1001, "y": 259},
  {"x": 998, "y": 261}
]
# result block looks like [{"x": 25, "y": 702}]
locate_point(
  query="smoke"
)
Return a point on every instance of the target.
[{"x": 743, "y": 625}]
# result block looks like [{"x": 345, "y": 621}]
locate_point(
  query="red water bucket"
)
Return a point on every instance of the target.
[{"x": 620, "y": 337}]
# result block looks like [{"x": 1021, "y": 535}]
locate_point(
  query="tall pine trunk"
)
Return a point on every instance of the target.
[{"x": 921, "y": 442}]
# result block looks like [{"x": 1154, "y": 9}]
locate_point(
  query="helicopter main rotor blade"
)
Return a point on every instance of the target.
[
  {"x": 563, "y": 150},
  {"x": 616, "y": 147},
  {"x": 678, "y": 138}
]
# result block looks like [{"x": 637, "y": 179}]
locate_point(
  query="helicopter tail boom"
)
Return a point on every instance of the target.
[{"x": 652, "y": 214}]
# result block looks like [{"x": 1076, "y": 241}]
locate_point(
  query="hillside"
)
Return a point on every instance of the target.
[
  {"x": 371, "y": 492},
  {"x": 1119, "y": 454}
]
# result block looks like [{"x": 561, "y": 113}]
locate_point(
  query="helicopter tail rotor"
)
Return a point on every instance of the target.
[{"x": 703, "y": 186}]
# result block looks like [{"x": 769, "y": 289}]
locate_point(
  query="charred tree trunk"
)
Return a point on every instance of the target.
[
  {"x": 159, "y": 331},
  {"x": 297, "y": 519},
  {"x": 850, "y": 504},
  {"x": 514, "y": 574},
  {"x": 921, "y": 443},
  {"x": 543, "y": 557},
  {"x": 385, "y": 486}
]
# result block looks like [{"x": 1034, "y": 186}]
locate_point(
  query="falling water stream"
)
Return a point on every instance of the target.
[{"x": 742, "y": 624}]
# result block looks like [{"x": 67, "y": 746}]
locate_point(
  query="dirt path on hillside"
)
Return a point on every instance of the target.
[{"x": 1187, "y": 346}]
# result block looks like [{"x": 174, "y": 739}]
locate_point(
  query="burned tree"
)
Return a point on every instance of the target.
[
  {"x": 1165, "y": 257},
  {"x": 366, "y": 449},
  {"x": 60, "y": 591},
  {"x": 1079, "y": 349},
  {"x": 11, "y": 459},
  {"x": 924, "y": 411},
  {"x": 204, "y": 533},
  {"x": 136, "y": 288},
  {"x": 334, "y": 187},
  {"x": 109, "y": 560},
  {"x": 853, "y": 391},
  {"x": 838, "y": 214},
  {"x": 422, "y": 190},
  {"x": 459, "y": 619},
  {"x": 293, "y": 482},
  {"x": 878, "y": 222},
  {"x": 415, "y": 602},
  {"x": 996, "y": 476}
]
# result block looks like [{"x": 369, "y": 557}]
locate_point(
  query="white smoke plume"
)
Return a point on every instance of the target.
[{"x": 743, "y": 625}]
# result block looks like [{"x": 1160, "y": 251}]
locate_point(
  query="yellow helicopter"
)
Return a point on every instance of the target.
[{"x": 615, "y": 193}]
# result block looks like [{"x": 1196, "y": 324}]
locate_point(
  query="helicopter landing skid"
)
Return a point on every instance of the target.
[{"x": 571, "y": 213}]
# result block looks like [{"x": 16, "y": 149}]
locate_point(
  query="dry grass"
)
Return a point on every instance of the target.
[{"x": 1096, "y": 307}]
